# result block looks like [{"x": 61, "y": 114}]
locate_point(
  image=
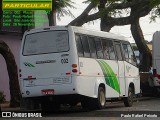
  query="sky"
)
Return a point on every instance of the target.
[{"x": 147, "y": 27}]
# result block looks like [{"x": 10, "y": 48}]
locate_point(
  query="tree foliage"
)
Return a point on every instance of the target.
[{"x": 61, "y": 7}]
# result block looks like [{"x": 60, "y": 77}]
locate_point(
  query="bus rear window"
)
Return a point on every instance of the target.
[{"x": 46, "y": 42}]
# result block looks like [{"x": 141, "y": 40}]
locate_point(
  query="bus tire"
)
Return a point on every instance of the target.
[
  {"x": 101, "y": 100},
  {"x": 128, "y": 101}
]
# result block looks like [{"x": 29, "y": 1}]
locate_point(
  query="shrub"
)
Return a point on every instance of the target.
[{"x": 2, "y": 97}]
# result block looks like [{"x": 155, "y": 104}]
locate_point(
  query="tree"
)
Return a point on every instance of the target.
[
  {"x": 61, "y": 8},
  {"x": 111, "y": 14},
  {"x": 13, "y": 75}
]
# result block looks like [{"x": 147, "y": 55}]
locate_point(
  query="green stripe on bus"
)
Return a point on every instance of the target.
[
  {"x": 105, "y": 65},
  {"x": 114, "y": 78},
  {"x": 107, "y": 78},
  {"x": 28, "y": 64},
  {"x": 31, "y": 65},
  {"x": 25, "y": 64},
  {"x": 109, "y": 75}
]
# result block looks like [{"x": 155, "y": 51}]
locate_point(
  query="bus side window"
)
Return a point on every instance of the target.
[
  {"x": 111, "y": 50},
  {"x": 79, "y": 46},
  {"x": 132, "y": 58},
  {"x": 125, "y": 52},
  {"x": 99, "y": 48},
  {"x": 85, "y": 46},
  {"x": 105, "y": 49},
  {"x": 128, "y": 54},
  {"x": 118, "y": 50},
  {"x": 92, "y": 47}
]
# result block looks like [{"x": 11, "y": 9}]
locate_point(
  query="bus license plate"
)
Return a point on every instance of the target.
[{"x": 48, "y": 92}]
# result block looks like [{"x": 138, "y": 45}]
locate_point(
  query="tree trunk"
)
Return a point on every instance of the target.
[
  {"x": 13, "y": 74},
  {"x": 52, "y": 18},
  {"x": 145, "y": 53},
  {"x": 105, "y": 24},
  {"x": 105, "y": 21}
]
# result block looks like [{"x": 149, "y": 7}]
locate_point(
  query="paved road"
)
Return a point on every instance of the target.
[{"x": 113, "y": 111}]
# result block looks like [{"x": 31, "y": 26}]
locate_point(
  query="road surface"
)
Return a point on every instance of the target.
[{"x": 149, "y": 107}]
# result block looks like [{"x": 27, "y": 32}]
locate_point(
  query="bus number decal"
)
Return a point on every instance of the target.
[{"x": 63, "y": 61}]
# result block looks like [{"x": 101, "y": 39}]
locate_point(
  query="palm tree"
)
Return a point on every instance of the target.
[{"x": 61, "y": 8}]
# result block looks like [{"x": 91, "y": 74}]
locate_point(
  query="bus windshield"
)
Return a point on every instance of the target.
[{"x": 46, "y": 42}]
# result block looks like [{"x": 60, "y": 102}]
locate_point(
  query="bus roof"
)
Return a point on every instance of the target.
[
  {"x": 98, "y": 33},
  {"x": 80, "y": 30}
]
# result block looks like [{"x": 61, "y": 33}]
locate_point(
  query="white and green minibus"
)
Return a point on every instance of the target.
[{"x": 67, "y": 65}]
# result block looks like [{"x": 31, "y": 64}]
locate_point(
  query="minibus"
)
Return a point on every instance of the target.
[{"x": 70, "y": 65}]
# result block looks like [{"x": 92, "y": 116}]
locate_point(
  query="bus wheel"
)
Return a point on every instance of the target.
[
  {"x": 101, "y": 100},
  {"x": 128, "y": 101}
]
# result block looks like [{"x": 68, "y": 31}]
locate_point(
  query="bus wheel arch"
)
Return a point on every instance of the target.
[
  {"x": 132, "y": 86},
  {"x": 95, "y": 103}
]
